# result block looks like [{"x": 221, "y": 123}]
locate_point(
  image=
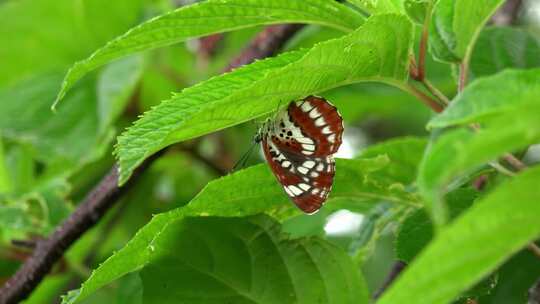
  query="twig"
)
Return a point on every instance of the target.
[
  {"x": 463, "y": 75},
  {"x": 194, "y": 153},
  {"x": 49, "y": 251},
  {"x": 431, "y": 88},
  {"x": 419, "y": 72},
  {"x": 106, "y": 193},
  {"x": 430, "y": 102},
  {"x": 534, "y": 249},
  {"x": 265, "y": 44},
  {"x": 517, "y": 164},
  {"x": 534, "y": 293},
  {"x": 394, "y": 273},
  {"x": 508, "y": 13}
]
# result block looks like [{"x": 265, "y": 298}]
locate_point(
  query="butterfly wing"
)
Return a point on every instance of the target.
[
  {"x": 299, "y": 148},
  {"x": 307, "y": 181}
]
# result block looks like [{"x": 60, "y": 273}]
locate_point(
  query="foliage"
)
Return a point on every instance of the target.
[{"x": 452, "y": 194}]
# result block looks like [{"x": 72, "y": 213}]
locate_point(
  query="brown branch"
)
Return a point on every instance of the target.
[
  {"x": 418, "y": 71},
  {"x": 534, "y": 293},
  {"x": 194, "y": 153},
  {"x": 508, "y": 13},
  {"x": 265, "y": 44},
  {"x": 49, "y": 251},
  {"x": 392, "y": 276},
  {"x": 104, "y": 195}
]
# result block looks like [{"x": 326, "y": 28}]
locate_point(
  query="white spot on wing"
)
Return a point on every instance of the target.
[
  {"x": 308, "y": 147},
  {"x": 326, "y": 130},
  {"x": 304, "y": 140},
  {"x": 304, "y": 187},
  {"x": 288, "y": 191},
  {"x": 303, "y": 170},
  {"x": 306, "y": 106},
  {"x": 332, "y": 138},
  {"x": 319, "y": 122},
  {"x": 305, "y": 152},
  {"x": 320, "y": 167},
  {"x": 309, "y": 164},
  {"x": 315, "y": 191},
  {"x": 314, "y": 114},
  {"x": 314, "y": 174},
  {"x": 286, "y": 164},
  {"x": 295, "y": 190}
]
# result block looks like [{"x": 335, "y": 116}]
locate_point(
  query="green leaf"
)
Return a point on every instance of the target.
[
  {"x": 377, "y": 51},
  {"x": 237, "y": 260},
  {"x": 499, "y": 48},
  {"x": 473, "y": 245},
  {"x": 456, "y": 25},
  {"x": 70, "y": 135},
  {"x": 209, "y": 17},
  {"x": 405, "y": 155},
  {"x": 417, "y": 230},
  {"x": 516, "y": 276},
  {"x": 247, "y": 192},
  {"x": 115, "y": 85},
  {"x": 486, "y": 98},
  {"x": 5, "y": 183},
  {"x": 458, "y": 152},
  {"x": 380, "y": 6},
  {"x": 417, "y": 9}
]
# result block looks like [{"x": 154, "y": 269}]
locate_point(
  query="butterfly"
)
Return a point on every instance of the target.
[{"x": 298, "y": 144}]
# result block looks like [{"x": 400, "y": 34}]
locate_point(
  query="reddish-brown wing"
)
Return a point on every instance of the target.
[
  {"x": 298, "y": 147},
  {"x": 319, "y": 120}
]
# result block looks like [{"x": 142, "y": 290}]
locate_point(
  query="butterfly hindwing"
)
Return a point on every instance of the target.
[{"x": 298, "y": 146}]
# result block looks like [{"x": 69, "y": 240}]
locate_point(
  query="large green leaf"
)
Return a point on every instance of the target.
[
  {"x": 5, "y": 182},
  {"x": 380, "y": 6},
  {"x": 244, "y": 193},
  {"x": 500, "y": 48},
  {"x": 213, "y": 16},
  {"x": 471, "y": 247},
  {"x": 405, "y": 154},
  {"x": 487, "y": 98},
  {"x": 238, "y": 260},
  {"x": 460, "y": 151},
  {"x": 456, "y": 25},
  {"x": 417, "y": 230},
  {"x": 377, "y": 51}
]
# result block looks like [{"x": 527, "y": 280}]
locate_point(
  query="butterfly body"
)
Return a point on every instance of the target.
[{"x": 298, "y": 145}]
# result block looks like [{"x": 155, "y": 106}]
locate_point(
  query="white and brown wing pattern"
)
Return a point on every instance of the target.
[{"x": 299, "y": 144}]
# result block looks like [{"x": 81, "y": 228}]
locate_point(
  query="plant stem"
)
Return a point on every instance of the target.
[
  {"x": 517, "y": 164},
  {"x": 418, "y": 71},
  {"x": 534, "y": 249},
  {"x": 431, "y": 88},
  {"x": 463, "y": 75},
  {"x": 430, "y": 102},
  {"x": 397, "y": 268},
  {"x": 421, "y": 71}
]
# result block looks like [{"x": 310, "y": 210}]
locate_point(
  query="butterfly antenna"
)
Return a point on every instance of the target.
[
  {"x": 243, "y": 160},
  {"x": 276, "y": 111}
]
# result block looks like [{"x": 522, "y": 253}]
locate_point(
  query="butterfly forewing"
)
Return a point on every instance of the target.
[{"x": 298, "y": 145}]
